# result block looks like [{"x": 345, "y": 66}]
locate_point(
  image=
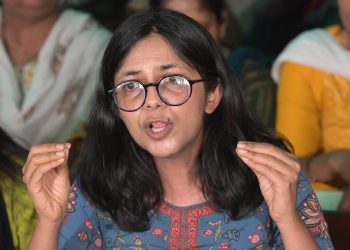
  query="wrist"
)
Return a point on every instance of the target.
[
  {"x": 53, "y": 226},
  {"x": 289, "y": 222}
]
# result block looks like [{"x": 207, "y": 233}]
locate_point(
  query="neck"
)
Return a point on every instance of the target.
[
  {"x": 181, "y": 187},
  {"x": 24, "y": 36}
]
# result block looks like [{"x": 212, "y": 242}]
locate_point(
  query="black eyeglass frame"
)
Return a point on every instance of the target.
[{"x": 154, "y": 84}]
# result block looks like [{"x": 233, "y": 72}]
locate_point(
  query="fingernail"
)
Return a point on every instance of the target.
[
  {"x": 60, "y": 160},
  {"x": 60, "y": 153},
  {"x": 68, "y": 145},
  {"x": 60, "y": 146},
  {"x": 242, "y": 151},
  {"x": 241, "y": 144}
]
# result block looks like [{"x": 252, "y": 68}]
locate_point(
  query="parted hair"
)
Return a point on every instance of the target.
[{"x": 120, "y": 177}]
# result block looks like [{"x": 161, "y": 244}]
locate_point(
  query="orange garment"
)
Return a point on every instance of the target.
[{"x": 313, "y": 108}]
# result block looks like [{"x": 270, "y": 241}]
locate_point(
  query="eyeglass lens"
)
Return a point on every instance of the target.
[{"x": 173, "y": 90}]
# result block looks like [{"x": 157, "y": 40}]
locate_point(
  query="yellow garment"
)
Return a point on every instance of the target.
[
  {"x": 21, "y": 213},
  {"x": 322, "y": 186},
  {"x": 313, "y": 108}
]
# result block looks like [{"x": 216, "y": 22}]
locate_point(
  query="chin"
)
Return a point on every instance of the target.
[{"x": 161, "y": 152}]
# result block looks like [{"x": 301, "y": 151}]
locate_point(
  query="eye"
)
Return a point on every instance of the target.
[
  {"x": 172, "y": 79},
  {"x": 178, "y": 80},
  {"x": 128, "y": 86}
]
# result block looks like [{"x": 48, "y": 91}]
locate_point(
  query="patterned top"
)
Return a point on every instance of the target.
[{"x": 194, "y": 227}]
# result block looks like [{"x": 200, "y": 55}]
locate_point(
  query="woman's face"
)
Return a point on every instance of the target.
[
  {"x": 162, "y": 130},
  {"x": 31, "y": 8},
  {"x": 195, "y": 10}
]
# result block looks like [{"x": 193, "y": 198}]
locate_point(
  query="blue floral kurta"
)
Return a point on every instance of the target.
[{"x": 195, "y": 227}]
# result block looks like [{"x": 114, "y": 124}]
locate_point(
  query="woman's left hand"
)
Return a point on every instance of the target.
[{"x": 277, "y": 172}]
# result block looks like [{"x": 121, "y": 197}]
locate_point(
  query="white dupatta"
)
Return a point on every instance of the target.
[
  {"x": 65, "y": 77},
  {"x": 317, "y": 49}
]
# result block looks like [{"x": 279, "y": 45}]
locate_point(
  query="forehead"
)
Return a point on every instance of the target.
[
  {"x": 151, "y": 53},
  {"x": 183, "y": 6}
]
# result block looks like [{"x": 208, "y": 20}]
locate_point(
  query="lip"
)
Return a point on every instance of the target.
[{"x": 158, "y": 129}]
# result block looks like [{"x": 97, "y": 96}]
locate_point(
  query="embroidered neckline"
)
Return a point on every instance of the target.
[{"x": 194, "y": 206}]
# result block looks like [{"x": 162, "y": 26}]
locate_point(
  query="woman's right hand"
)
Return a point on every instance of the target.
[{"x": 46, "y": 175}]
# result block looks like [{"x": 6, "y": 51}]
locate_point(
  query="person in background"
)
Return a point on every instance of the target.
[
  {"x": 17, "y": 215},
  {"x": 173, "y": 158},
  {"x": 251, "y": 67},
  {"x": 49, "y": 58},
  {"x": 213, "y": 15},
  {"x": 313, "y": 101}
]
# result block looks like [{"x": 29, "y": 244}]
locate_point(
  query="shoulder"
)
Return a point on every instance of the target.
[{"x": 305, "y": 49}]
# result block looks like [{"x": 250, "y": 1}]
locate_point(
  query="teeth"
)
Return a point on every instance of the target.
[{"x": 157, "y": 130}]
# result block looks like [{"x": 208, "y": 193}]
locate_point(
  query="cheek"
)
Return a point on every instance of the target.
[{"x": 130, "y": 123}]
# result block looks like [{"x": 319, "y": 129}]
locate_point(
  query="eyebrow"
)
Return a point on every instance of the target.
[{"x": 161, "y": 67}]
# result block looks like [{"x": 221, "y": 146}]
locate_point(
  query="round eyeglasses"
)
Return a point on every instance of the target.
[{"x": 173, "y": 90}]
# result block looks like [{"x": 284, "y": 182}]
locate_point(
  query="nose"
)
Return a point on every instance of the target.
[{"x": 153, "y": 100}]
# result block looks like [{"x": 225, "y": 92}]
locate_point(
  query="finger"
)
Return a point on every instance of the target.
[
  {"x": 63, "y": 168},
  {"x": 37, "y": 174},
  {"x": 42, "y": 158},
  {"x": 267, "y": 160},
  {"x": 271, "y": 150},
  {"x": 45, "y": 152},
  {"x": 276, "y": 177},
  {"x": 45, "y": 148},
  {"x": 263, "y": 159},
  {"x": 266, "y": 148}
]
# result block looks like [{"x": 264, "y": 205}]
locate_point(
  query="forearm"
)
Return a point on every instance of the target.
[
  {"x": 295, "y": 235},
  {"x": 45, "y": 234}
]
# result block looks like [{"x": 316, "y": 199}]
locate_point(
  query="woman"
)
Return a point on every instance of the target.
[
  {"x": 48, "y": 70},
  {"x": 167, "y": 163},
  {"x": 314, "y": 82},
  {"x": 17, "y": 212}
]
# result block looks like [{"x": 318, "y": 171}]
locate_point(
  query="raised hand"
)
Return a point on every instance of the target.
[
  {"x": 277, "y": 172},
  {"x": 46, "y": 175}
]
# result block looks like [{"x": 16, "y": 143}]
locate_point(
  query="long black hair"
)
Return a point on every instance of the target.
[
  {"x": 121, "y": 178},
  {"x": 11, "y": 155}
]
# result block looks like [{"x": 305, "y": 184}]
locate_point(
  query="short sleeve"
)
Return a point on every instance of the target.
[
  {"x": 80, "y": 229},
  {"x": 311, "y": 214}
]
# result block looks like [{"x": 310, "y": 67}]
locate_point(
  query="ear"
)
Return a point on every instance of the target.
[{"x": 213, "y": 99}]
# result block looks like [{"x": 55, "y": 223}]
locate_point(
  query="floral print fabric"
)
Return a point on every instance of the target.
[{"x": 195, "y": 227}]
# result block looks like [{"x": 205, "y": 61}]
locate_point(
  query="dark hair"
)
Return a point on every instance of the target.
[
  {"x": 10, "y": 156},
  {"x": 121, "y": 178},
  {"x": 215, "y": 6}
]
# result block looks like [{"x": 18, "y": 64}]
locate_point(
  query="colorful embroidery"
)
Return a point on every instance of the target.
[
  {"x": 188, "y": 228},
  {"x": 72, "y": 199},
  {"x": 313, "y": 218}
]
